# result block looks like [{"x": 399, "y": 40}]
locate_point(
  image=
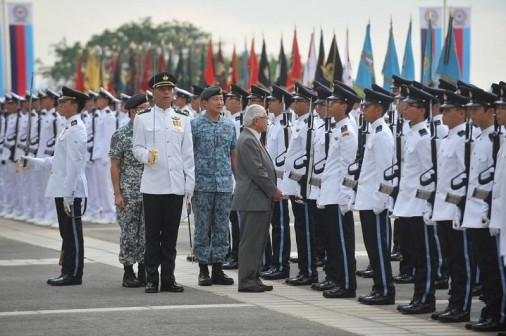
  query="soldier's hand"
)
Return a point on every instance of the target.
[
  {"x": 277, "y": 195},
  {"x": 118, "y": 201}
]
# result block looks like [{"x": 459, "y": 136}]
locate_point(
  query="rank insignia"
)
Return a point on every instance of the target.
[
  {"x": 177, "y": 124},
  {"x": 345, "y": 133},
  {"x": 73, "y": 123}
]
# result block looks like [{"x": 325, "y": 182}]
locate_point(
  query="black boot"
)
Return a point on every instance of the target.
[
  {"x": 220, "y": 278},
  {"x": 141, "y": 274},
  {"x": 204, "y": 279},
  {"x": 129, "y": 279}
]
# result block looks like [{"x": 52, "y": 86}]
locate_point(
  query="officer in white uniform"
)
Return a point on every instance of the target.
[
  {"x": 162, "y": 140},
  {"x": 68, "y": 186}
]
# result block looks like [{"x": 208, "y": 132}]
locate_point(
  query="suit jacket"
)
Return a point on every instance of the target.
[{"x": 255, "y": 175}]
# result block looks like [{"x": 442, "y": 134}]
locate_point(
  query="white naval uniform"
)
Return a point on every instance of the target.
[
  {"x": 377, "y": 158},
  {"x": 417, "y": 160},
  {"x": 275, "y": 145},
  {"x": 318, "y": 156},
  {"x": 342, "y": 149},
  {"x": 171, "y": 133},
  {"x": 20, "y": 197},
  {"x": 9, "y": 167},
  {"x": 481, "y": 158},
  {"x": 2, "y": 166},
  {"x": 498, "y": 214},
  {"x": 450, "y": 162}
]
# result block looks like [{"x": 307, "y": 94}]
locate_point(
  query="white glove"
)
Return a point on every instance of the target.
[
  {"x": 504, "y": 261},
  {"x": 344, "y": 209},
  {"x": 484, "y": 216},
  {"x": 377, "y": 211},
  {"x": 494, "y": 231},
  {"x": 188, "y": 196},
  {"x": 456, "y": 220},
  {"x": 68, "y": 200},
  {"x": 427, "y": 216}
]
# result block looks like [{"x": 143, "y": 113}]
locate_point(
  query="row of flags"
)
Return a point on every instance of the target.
[{"x": 129, "y": 70}]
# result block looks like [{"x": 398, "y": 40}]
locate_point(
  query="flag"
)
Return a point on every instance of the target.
[
  {"x": 427, "y": 71},
  {"x": 117, "y": 77},
  {"x": 140, "y": 69},
  {"x": 21, "y": 45},
  {"x": 245, "y": 61},
  {"x": 391, "y": 64},
  {"x": 408, "y": 62},
  {"x": 220, "y": 71},
  {"x": 112, "y": 65},
  {"x": 333, "y": 69},
  {"x": 281, "y": 68},
  {"x": 180, "y": 76},
  {"x": 295, "y": 72},
  {"x": 169, "y": 60},
  {"x": 347, "y": 63},
  {"x": 320, "y": 63},
  {"x": 102, "y": 80},
  {"x": 132, "y": 69},
  {"x": 233, "y": 74},
  {"x": 148, "y": 70},
  {"x": 79, "y": 73},
  {"x": 162, "y": 65},
  {"x": 189, "y": 70},
  {"x": 310, "y": 66},
  {"x": 430, "y": 16},
  {"x": 462, "y": 34},
  {"x": 91, "y": 74},
  {"x": 448, "y": 66},
  {"x": 252, "y": 66},
  {"x": 209, "y": 70},
  {"x": 202, "y": 69},
  {"x": 365, "y": 75},
  {"x": 264, "y": 72}
]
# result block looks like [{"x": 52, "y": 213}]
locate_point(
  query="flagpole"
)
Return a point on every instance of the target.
[{"x": 6, "y": 47}]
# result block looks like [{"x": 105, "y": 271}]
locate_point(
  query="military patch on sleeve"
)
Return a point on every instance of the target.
[
  {"x": 379, "y": 128},
  {"x": 423, "y": 132},
  {"x": 73, "y": 123},
  {"x": 344, "y": 129},
  {"x": 185, "y": 113},
  {"x": 144, "y": 111},
  {"x": 461, "y": 133}
]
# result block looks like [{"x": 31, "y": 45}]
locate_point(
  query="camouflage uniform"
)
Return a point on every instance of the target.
[
  {"x": 130, "y": 218},
  {"x": 212, "y": 143}
]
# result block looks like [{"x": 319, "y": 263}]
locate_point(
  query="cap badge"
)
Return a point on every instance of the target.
[{"x": 165, "y": 77}]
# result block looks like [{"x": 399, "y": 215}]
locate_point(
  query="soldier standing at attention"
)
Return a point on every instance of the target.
[
  {"x": 126, "y": 173},
  {"x": 214, "y": 142}
]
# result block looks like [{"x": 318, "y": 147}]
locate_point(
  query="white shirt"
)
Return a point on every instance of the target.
[
  {"x": 377, "y": 158},
  {"x": 48, "y": 133},
  {"x": 174, "y": 169},
  {"x": 498, "y": 213},
  {"x": 319, "y": 158},
  {"x": 105, "y": 126},
  {"x": 275, "y": 144},
  {"x": 342, "y": 150}
]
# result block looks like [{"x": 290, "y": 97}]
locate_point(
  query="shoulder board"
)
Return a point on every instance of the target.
[
  {"x": 73, "y": 123},
  {"x": 54, "y": 114},
  {"x": 238, "y": 118},
  {"x": 306, "y": 120},
  {"x": 461, "y": 133},
  {"x": 43, "y": 113},
  {"x": 34, "y": 114},
  {"x": 282, "y": 122},
  {"x": 144, "y": 111},
  {"x": 437, "y": 122},
  {"x": 185, "y": 113},
  {"x": 379, "y": 128},
  {"x": 423, "y": 131},
  {"x": 333, "y": 125},
  {"x": 492, "y": 136},
  {"x": 344, "y": 128},
  {"x": 107, "y": 111}
]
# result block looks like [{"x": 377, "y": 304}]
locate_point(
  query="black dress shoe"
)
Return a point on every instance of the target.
[
  {"x": 267, "y": 288},
  {"x": 368, "y": 274},
  {"x": 301, "y": 280},
  {"x": 361, "y": 272},
  {"x": 230, "y": 264},
  {"x": 151, "y": 287},
  {"x": 441, "y": 284},
  {"x": 323, "y": 285},
  {"x": 435, "y": 315},
  {"x": 488, "y": 325},
  {"x": 396, "y": 256},
  {"x": 205, "y": 279},
  {"x": 51, "y": 279},
  {"x": 190, "y": 258},
  {"x": 273, "y": 269},
  {"x": 469, "y": 325},
  {"x": 220, "y": 278},
  {"x": 67, "y": 280},
  {"x": 285, "y": 273},
  {"x": 171, "y": 287},
  {"x": 129, "y": 280},
  {"x": 417, "y": 307},
  {"x": 377, "y": 299},
  {"x": 454, "y": 316},
  {"x": 252, "y": 289},
  {"x": 404, "y": 279},
  {"x": 339, "y": 293}
]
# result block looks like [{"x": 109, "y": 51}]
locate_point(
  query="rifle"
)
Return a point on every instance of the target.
[
  {"x": 460, "y": 201},
  {"x": 320, "y": 170},
  {"x": 355, "y": 167},
  {"x": 29, "y": 132},
  {"x": 429, "y": 176},
  {"x": 91, "y": 138},
  {"x": 394, "y": 169},
  {"x": 286, "y": 136},
  {"x": 305, "y": 161}
]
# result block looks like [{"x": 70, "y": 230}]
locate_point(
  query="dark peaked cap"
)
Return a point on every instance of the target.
[
  {"x": 378, "y": 88},
  {"x": 420, "y": 97},
  {"x": 237, "y": 91},
  {"x": 344, "y": 93},
  {"x": 197, "y": 89},
  {"x": 373, "y": 97},
  {"x": 398, "y": 81},
  {"x": 162, "y": 79},
  {"x": 258, "y": 92},
  {"x": 445, "y": 85},
  {"x": 452, "y": 99},
  {"x": 500, "y": 91},
  {"x": 68, "y": 93},
  {"x": 480, "y": 97},
  {"x": 279, "y": 93},
  {"x": 135, "y": 101},
  {"x": 304, "y": 92}
]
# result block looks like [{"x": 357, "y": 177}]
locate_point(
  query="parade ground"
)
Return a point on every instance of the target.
[{"x": 101, "y": 306}]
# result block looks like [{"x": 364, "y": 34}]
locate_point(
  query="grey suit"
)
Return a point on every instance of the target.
[{"x": 255, "y": 187}]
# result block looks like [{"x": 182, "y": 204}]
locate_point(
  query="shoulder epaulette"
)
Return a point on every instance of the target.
[
  {"x": 333, "y": 125},
  {"x": 461, "y": 133},
  {"x": 144, "y": 111},
  {"x": 282, "y": 122},
  {"x": 185, "y": 113},
  {"x": 492, "y": 136},
  {"x": 437, "y": 122},
  {"x": 379, "y": 128},
  {"x": 306, "y": 120},
  {"x": 423, "y": 131},
  {"x": 73, "y": 123},
  {"x": 238, "y": 118},
  {"x": 344, "y": 128},
  {"x": 107, "y": 111}
]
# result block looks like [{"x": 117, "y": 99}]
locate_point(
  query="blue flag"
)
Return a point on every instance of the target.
[
  {"x": 365, "y": 76},
  {"x": 427, "y": 73},
  {"x": 391, "y": 64},
  {"x": 448, "y": 67},
  {"x": 408, "y": 62}
]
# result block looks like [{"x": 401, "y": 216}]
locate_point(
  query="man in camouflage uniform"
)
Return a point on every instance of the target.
[
  {"x": 126, "y": 173},
  {"x": 214, "y": 142}
]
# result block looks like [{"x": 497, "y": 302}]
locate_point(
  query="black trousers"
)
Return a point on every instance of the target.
[
  {"x": 234, "y": 235},
  {"x": 304, "y": 236},
  {"x": 460, "y": 264},
  {"x": 281, "y": 243},
  {"x": 422, "y": 250},
  {"x": 71, "y": 232},
  {"x": 377, "y": 231},
  {"x": 493, "y": 274},
  {"x": 339, "y": 233},
  {"x": 441, "y": 263},
  {"x": 162, "y": 214},
  {"x": 319, "y": 236},
  {"x": 405, "y": 265}
]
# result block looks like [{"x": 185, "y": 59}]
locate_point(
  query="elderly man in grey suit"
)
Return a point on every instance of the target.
[{"x": 253, "y": 196}]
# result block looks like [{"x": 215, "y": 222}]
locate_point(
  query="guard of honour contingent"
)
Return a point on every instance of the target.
[{"x": 430, "y": 160}]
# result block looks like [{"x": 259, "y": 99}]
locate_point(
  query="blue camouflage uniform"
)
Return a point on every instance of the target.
[{"x": 212, "y": 144}]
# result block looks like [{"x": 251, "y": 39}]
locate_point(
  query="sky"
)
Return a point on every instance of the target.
[{"x": 237, "y": 21}]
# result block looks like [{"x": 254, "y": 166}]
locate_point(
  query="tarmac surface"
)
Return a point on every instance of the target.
[{"x": 100, "y": 306}]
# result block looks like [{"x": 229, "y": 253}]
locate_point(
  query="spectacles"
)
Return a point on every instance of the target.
[{"x": 262, "y": 117}]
